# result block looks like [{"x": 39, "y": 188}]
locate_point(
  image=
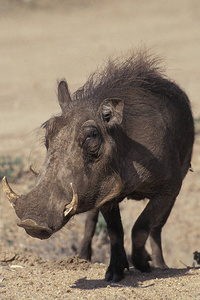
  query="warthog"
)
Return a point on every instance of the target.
[{"x": 128, "y": 132}]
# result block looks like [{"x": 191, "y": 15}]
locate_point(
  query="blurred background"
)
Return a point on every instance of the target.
[{"x": 44, "y": 41}]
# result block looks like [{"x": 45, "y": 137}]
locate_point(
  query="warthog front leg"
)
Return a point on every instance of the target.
[{"x": 118, "y": 260}]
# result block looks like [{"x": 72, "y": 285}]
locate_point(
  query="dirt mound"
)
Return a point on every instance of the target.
[{"x": 31, "y": 277}]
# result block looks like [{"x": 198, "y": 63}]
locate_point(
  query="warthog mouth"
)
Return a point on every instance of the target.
[{"x": 35, "y": 230}]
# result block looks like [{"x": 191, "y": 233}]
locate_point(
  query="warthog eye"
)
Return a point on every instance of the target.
[
  {"x": 91, "y": 142},
  {"x": 93, "y": 133}
]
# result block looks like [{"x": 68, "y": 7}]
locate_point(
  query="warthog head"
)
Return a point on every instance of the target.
[{"x": 79, "y": 172}]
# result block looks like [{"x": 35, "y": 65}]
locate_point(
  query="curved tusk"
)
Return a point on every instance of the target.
[
  {"x": 10, "y": 195},
  {"x": 70, "y": 209}
]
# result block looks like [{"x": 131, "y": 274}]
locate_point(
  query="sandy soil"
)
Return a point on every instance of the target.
[{"x": 41, "y": 42}]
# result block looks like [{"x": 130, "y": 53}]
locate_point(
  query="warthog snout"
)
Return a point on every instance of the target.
[{"x": 35, "y": 230}]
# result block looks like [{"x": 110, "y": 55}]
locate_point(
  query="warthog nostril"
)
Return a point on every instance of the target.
[{"x": 35, "y": 230}]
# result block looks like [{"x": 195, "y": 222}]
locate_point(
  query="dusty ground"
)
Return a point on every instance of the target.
[{"x": 40, "y": 43}]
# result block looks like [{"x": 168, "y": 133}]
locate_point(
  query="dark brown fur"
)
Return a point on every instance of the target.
[{"x": 128, "y": 132}]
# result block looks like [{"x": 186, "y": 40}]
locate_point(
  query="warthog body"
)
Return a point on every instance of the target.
[{"x": 128, "y": 132}]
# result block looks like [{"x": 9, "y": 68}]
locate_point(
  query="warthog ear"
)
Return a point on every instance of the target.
[
  {"x": 112, "y": 111},
  {"x": 64, "y": 97}
]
